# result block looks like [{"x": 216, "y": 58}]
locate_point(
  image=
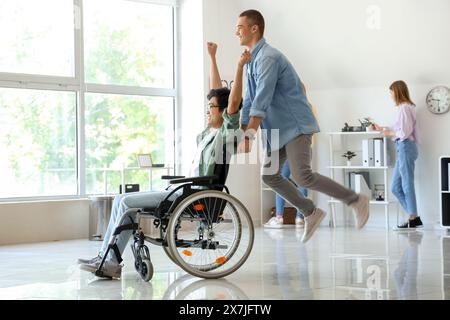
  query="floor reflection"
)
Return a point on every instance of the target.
[
  {"x": 164, "y": 285},
  {"x": 405, "y": 275},
  {"x": 291, "y": 268},
  {"x": 188, "y": 287},
  {"x": 342, "y": 264},
  {"x": 445, "y": 243},
  {"x": 361, "y": 276}
]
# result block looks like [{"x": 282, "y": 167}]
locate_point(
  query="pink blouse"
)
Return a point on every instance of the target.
[{"x": 405, "y": 126}]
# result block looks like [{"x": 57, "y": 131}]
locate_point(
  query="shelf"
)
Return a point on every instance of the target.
[
  {"x": 362, "y": 289},
  {"x": 370, "y": 202},
  {"x": 445, "y": 191},
  {"x": 266, "y": 189},
  {"x": 357, "y": 167},
  {"x": 369, "y": 133}
]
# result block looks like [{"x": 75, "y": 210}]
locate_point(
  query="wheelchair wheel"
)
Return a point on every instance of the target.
[
  {"x": 210, "y": 234},
  {"x": 146, "y": 270},
  {"x": 166, "y": 248}
]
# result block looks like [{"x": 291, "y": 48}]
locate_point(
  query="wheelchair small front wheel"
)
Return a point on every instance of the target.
[
  {"x": 137, "y": 265},
  {"x": 210, "y": 234},
  {"x": 146, "y": 270}
]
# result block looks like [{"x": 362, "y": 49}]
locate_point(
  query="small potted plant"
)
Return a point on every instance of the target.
[
  {"x": 349, "y": 155},
  {"x": 367, "y": 123}
]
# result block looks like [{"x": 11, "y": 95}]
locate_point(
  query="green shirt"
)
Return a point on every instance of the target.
[{"x": 213, "y": 152}]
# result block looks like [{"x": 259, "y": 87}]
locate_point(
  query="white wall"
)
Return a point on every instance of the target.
[
  {"x": 190, "y": 80},
  {"x": 347, "y": 64}
]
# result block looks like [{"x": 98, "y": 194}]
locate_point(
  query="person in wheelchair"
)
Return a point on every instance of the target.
[{"x": 223, "y": 122}]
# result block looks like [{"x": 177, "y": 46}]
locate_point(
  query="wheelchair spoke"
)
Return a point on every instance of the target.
[{"x": 208, "y": 217}]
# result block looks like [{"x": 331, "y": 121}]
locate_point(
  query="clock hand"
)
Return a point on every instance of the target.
[{"x": 439, "y": 103}]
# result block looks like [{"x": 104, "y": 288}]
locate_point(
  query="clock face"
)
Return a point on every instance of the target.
[{"x": 438, "y": 100}]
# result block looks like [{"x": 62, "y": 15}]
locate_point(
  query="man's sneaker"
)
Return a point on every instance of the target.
[
  {"x": 90, "y": 261},
  {"x": 110, "y": 269},
  {"x": 312, "y": 222},
  {"x": 276, "y": 223},
  {"x": 361, "y": 210},
  {"x": 299, "y": 222},
  {"x": 410, "y": 224}
]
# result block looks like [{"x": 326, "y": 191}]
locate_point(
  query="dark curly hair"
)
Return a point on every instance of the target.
[{"x": 222, "y": 95}]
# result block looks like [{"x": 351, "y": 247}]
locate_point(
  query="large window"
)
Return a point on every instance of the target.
[
  {"x": 37, "y": 143},
  {"x": 128, "y": 43},
  {"x": 119, "y": 127},
  {"x": 69, "y": 128},
  {"x": 37, "y": 37}
]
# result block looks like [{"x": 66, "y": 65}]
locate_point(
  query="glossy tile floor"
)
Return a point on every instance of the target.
[{"x": 336, "y": 263}]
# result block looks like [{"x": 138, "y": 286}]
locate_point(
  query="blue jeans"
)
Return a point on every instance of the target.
[
  {"x": 279, "y": 201},
  {"x": 403, "y": 179},
  {"x": 121, "y": 204}
]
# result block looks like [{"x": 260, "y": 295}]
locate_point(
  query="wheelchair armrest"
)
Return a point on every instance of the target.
[
  {"x": 171, "y": 177},
  {"x": 195, "y": 180}
]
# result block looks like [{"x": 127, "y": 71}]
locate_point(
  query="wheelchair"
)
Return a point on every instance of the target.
[{"x": 205, "y": 230}]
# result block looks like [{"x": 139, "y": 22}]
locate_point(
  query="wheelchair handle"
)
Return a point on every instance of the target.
[
  {"x": 195, "y": 179},
  {"x": 171, "y": 177}
]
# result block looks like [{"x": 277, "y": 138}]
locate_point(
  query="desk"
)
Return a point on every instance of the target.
[{"x": 122, "y": 171}]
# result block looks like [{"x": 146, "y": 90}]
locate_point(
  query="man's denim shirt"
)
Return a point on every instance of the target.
[{"x": 275, "y": 93}]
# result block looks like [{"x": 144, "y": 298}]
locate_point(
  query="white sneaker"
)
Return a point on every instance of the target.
[
  {"x": 299, "y": 222},
  {"x": 90, "y": 261},
  {"x": 361, "y": 210},
  {"x": 276, "y": 223},
  {"x": 312, "y": 222}
]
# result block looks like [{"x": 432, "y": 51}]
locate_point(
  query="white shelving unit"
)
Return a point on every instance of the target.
[
  {"x": 334, "y": 166},
  {"x": 444, "y": 191}
]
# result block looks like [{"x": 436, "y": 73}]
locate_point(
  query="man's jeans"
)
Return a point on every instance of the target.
[
  {"x": 298, "y": 153},
  {"x": 122, "y": 203},
  {"x": 403, "y": 178}
]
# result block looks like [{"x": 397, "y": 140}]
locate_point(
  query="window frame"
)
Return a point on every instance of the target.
[{"x": 78, "y": 85}]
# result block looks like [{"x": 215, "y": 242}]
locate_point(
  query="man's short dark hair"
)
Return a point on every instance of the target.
[
  {"x": 222, "y": 95},
  {"x": 254, "y": 17}
]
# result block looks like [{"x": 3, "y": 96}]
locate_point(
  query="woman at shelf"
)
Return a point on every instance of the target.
[{"x": 404, "y": 132}]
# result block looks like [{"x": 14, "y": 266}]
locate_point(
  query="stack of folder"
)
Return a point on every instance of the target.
[{"x": 373, "y": 152}]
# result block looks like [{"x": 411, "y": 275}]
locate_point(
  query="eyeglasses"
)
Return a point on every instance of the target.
[{"x": 210, "y": 106}]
